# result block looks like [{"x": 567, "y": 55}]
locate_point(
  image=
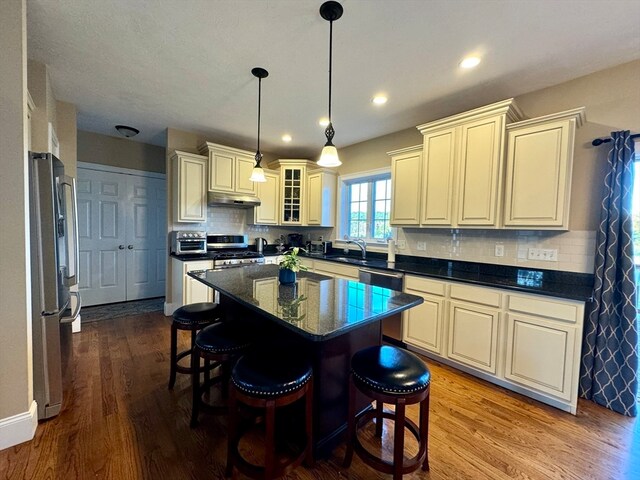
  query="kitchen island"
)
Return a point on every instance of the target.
[{"x": 327, "y": 319}]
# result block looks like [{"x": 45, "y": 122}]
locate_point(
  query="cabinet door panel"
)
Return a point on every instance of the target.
[
  {"x": 473, "y": 336},
  {"x": 480, "y": 169},
  {"x": 244, "y": 167},
  {"x": 405, "y": 178},
  {"x": 192, "y": 203},
  {"x": 439, "y": 170},
  {"x": 422, "y": 325},
  {"x": 542, "y": 153},
  {"x": 269, "y": 195},
  {"x": 539, "y": 354},
  {"x": 221, "y": 172},
  {"x": 314, "y": 199}
]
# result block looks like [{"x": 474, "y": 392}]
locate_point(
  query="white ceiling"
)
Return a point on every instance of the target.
[{"x": 186, "y": 64}]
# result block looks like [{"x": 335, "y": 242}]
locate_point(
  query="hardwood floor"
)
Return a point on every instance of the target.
[{"x": 119, "y": 421}]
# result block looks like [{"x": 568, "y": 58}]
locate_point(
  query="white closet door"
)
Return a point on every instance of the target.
[
  {"x": 146, "y": 237},
  {"x": 101, "y": 225}
]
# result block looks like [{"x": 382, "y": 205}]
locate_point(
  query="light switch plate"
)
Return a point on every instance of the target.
[
  {"x": 402, "y": 244},
  {"x": 421, "y": 245}
]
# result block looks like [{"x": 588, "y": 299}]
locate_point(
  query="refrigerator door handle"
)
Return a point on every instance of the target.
[
  {"x": 71, "y": 278},
  {"x": 75, "y": 314}
]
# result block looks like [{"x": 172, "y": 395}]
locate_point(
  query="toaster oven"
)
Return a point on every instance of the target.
[
  {"x": 319, "y": 247},
  {"x": 188, "y": 242}
]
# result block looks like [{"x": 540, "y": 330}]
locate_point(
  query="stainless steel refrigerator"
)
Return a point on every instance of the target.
[{"x": 54, "y": 273}]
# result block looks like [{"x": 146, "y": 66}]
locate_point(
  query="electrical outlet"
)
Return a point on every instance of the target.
[
  {"x": 543, "y": 254},
  {"x": 422, "y": 245},
  {"x": 402, "y": 244},
  {"x": 499, "y": 251}
]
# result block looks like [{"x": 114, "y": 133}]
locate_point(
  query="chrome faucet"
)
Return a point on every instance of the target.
[{"x": 362, "y": 244}]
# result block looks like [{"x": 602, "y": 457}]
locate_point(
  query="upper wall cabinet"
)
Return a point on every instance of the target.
[
  {"x": 321, "y": 195},
  {"x": 540, "y": 149},
  {"x": 268, "y": 212},
  {"x": 229, "y": 169},
  {"x": 462, "y": 167},
  {"x": 189, "y": 188},
  {"x": 406, "y": 181}
]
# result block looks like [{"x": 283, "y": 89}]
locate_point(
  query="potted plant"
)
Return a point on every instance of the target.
[{"x": 290, "y": 265}]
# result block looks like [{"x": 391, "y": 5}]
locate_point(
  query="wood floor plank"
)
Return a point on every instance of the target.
[{"x": 119, "y": 421}]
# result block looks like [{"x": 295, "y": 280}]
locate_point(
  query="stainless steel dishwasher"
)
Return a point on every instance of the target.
[{"x": 391, "y": 326}]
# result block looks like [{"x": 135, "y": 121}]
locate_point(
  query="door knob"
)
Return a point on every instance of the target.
[
  {"x": 130, "y": 247},
  {"x": 121, "y": 247}
]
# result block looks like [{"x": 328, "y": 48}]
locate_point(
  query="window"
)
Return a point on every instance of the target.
[{"x": 366, "y": 207}]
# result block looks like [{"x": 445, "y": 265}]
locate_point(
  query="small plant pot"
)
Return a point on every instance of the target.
[{"x": 286, "y": 276}]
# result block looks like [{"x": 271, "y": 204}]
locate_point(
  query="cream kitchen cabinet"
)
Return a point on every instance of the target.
[
  {"x": 540, "y": 149},
  {"x": 186, "y": 290},
  {"x": 462, "y": 168},
  {"x": 474, "y": 327},
  {"x": 189, "y": 173},
  {"x": 321, "y": 198},
  {"x": 334, "y": 269},
  {"x": 229, "y": 169},
  {"x": 543, "y": 347},
  {"x": 268, "y": 212},
  {"x": 406, "y": 181},
  {"x": 424, "y": 325}
]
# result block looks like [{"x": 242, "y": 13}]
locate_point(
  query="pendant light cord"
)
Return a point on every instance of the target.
[
  {"x": 330, "y": 63},
  {"x": 259, "y": 103}
]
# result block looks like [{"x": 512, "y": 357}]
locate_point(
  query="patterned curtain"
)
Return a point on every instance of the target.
[{"x": 609, "y": 370}]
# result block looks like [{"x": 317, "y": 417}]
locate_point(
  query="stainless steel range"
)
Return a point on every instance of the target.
[{"x": 229, "y": 251}]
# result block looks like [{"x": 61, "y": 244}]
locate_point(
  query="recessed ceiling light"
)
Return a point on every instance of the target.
[
  {"x": 286, "y": 138},
  {"x": 323, "y": 122},
  {"x": 379, "y": 99},
  {"x": 470, "y": 62}
]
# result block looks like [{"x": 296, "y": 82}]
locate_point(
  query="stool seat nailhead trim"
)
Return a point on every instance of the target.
[
  {"x": 399, "y": 390},
  {"x": 261, "y": 393}
]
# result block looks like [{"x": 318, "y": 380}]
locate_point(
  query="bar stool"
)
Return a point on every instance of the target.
[
  {"x": 391, "y": 375},
  {"x": 222, "y": 344},
  {"x": 269, "y": 381},
  {"x": 192, "y": 317}
]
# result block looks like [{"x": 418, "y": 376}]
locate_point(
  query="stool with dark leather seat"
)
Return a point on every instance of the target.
[
  {"x": 221, "y": 343},
  {"x": 192, "y": 317},
  {"x": 395, "y": 376},
  {"x": 269, "y": 381}
]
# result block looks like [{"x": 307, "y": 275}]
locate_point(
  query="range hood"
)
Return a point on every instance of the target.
[{"x": 232, "y": 200}]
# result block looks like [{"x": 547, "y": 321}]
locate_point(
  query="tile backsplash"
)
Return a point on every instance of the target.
[{"x": 575, "y": 249}]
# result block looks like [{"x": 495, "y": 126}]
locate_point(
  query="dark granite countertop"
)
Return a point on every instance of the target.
[
  {"x": 569, "y": 285},
  {"x": 316, "y": 306}
]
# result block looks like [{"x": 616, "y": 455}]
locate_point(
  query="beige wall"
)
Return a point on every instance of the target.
[
  {"x": 612, "y": 101},
  {"x": 67, "y": 131},
  {"x": 120, "y": 152},
  {"x": 15, "y": 314}
]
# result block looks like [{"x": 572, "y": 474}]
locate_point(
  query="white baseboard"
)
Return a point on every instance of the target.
[
  {"x": 19, "y": 428},
  {"x": 169, "y": 308}
]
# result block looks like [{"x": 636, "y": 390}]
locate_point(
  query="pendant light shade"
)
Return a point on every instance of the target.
[
  {"x": 257, "y": 174},
  {"x": 330, "y": 11}
]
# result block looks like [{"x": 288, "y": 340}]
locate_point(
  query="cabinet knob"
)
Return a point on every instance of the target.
[
  {"x": 121, "y": 247},
  {"x": 130, "y": 247}
]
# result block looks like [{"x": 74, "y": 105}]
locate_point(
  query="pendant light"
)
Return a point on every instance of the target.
[
  {"x": 330, "y": 11},
  {"x": 257, "y": 174}
]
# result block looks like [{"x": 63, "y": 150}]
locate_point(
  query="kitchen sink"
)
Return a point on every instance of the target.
[{"x": 357, "y": 261}]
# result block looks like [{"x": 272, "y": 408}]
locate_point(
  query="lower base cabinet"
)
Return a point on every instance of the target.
[
  {"x": 186, "y": 290},
  {"x": 527, "y": 343}
]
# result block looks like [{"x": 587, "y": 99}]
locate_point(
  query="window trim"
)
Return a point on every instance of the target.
[{"x": 341, "y": 214}]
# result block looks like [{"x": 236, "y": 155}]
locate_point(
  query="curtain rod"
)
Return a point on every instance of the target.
[{"x": 599, "y": 141}]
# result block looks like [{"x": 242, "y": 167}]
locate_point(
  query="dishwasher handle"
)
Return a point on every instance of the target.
[{"x": 380, "y": 272}]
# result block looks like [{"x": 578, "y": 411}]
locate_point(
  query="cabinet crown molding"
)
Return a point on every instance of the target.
[
  {"x": 507, "y": 107},
  {"x": 206, "y": 147},
  {"x": 181, "y": 153},
  {"x": 400, "y": 151},
  {"x": 296, "y": 162},
  {"x": 577, "y": 114}
]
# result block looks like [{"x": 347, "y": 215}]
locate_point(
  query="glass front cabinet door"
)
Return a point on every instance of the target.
[{"x": 293, "y": 183}]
